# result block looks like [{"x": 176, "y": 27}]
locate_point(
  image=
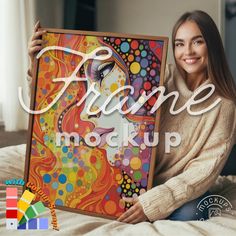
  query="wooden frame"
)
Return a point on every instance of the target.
[{"x": 58, "y": 177}]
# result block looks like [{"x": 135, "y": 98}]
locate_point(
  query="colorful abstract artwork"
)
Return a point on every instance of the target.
[{"x": 62, "y": 158}]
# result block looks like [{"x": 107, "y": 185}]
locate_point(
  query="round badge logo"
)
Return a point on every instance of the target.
[{"x": 214, "y": 205}]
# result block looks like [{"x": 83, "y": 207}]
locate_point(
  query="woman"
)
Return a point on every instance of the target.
[
  {"x": 184, "y": 175},
  {"x": 190, "y": 169}
]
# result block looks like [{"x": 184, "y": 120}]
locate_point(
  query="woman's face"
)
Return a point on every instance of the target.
[
  {"x": 108, "y": 77},
  {"x": 190, "y": 49}
]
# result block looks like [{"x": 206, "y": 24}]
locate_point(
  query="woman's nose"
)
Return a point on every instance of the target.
[{"x": 189, "y": 49}]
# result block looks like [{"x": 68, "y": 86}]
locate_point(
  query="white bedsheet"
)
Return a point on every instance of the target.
[{"x": 12, "y": 165}]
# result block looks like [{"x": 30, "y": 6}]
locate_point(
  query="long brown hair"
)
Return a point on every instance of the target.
[{"x": 218, "y": 69}]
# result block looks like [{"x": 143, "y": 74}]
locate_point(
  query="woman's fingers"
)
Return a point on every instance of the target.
[
  {"x": 134, "y": 214},
  {"x": 34, "y": 50},
  {"x": 133, "y": 218},
  {"x": 38, "y": 42},
  {"x": 35, "y": 43},
  {"x": 38, "y": 34},
  {"x": 37, "y": 26},
  {"x": 137, "y": 220},
  {"x": 127, "y": 214},
  {"x": 130, "y": 199}
]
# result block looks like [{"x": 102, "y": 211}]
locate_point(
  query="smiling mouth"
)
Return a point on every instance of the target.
[{"x": 191, "y": 61}]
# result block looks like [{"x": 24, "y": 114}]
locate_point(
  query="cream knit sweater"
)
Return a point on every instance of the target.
[{"x": 190, "y": 169}]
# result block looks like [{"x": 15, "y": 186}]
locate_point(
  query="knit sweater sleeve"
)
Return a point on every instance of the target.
[{"x": 199, "y": 174}]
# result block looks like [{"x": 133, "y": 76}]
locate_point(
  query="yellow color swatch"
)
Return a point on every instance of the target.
[
  {"x": 27, "y": 196},
  {"x": 24, "y": 203}
]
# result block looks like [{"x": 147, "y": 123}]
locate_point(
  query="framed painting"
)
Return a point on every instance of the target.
[{"x": 91, "y": 131}]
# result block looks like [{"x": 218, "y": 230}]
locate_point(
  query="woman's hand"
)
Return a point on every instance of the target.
[
  {"x": 35, "y": 43},
  {"x": 135, "y": 213}
]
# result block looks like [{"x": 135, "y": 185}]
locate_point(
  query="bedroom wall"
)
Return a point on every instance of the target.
[
  {"x": 230, "y": 46},
  {"x": 50, "y": 13},
  {"x": 151, "y": 17}
]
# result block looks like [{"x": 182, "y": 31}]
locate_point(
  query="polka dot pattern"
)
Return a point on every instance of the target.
[{"x": 143, "y": 58}]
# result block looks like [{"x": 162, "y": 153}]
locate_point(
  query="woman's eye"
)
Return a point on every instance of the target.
[
  {"x": 98, "y": 70},
  {"x": 179, "y": 44},
  {"x": 198, "y": 42},
  {"x": 104, "y": 69}
]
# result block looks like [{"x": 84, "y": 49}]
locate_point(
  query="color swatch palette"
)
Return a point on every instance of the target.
[{"x": 23, "y": 212}]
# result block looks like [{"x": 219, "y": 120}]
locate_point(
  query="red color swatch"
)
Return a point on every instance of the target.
[{"x": 11, "y": 213}]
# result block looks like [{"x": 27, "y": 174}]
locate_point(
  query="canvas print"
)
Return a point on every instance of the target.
[{"x": 87, "y": 147}]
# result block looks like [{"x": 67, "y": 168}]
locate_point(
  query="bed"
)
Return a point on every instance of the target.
[{"x": 12, "y": 166}]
